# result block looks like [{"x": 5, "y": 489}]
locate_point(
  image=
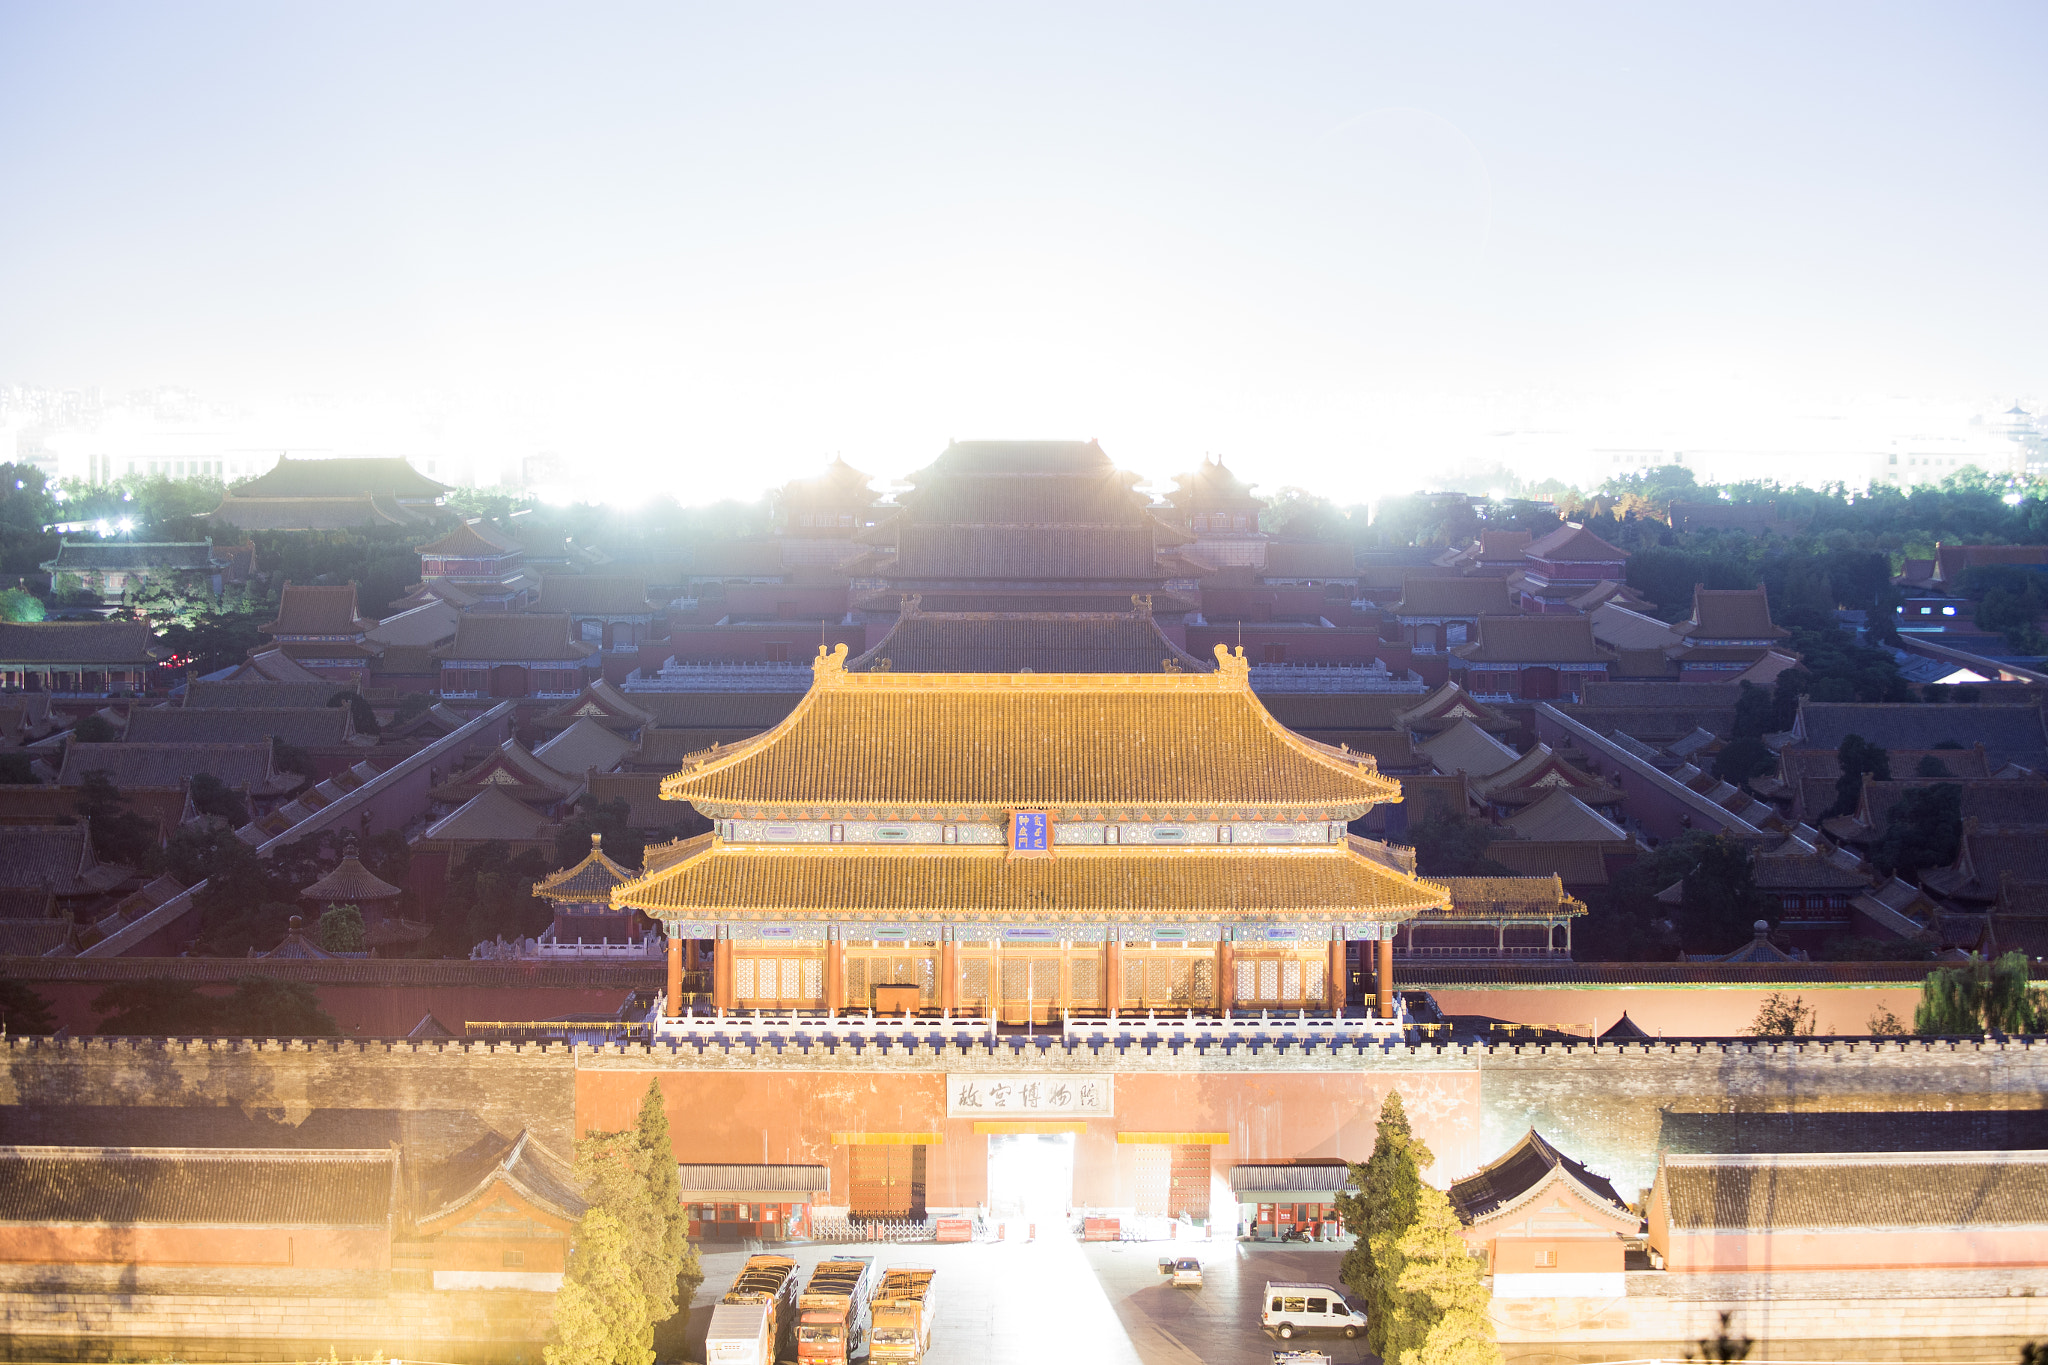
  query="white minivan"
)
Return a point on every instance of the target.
[{"x": 1289, "y": 1309}]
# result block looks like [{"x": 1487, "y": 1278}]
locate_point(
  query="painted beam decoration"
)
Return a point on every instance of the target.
[{"x": 980, "y": 1095}]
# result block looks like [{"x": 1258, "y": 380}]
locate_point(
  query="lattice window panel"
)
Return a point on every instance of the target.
[
  {"x": 1181, "y": 973},
  {"x": 1205, "y": 981},
  {"x": 1087, "y": 981},
  {"x": 1045, "y": 979},
  {"x": 1269, "y": 981},
  {"x": 1157, "y": 986},
  {"x": 792, "y": 972},
  {"x": 857, "y": 982},
  {"x": 814, "y": 979},
  {"x": 1290, "y": 981},
  {"x": 1245, "y": 988},
  {"x": 1312, "y": 984},
  {"x": 927, "y": 981},
  {"x": 1015, "y": 977},
  {"x": 974, "y": 981},
  {"x": 743, "y": 978}
]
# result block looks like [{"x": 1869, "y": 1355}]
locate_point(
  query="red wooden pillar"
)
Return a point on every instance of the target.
[
  {"x": 1113, "y": 975},
  {"x": 1226, "y": 975},
  {"x": 1384, "y": 978},
  {"x": 1339, "y": 983},
  {"x": 675, "y": 977}
]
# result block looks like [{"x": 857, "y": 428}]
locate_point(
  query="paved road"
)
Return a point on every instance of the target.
[{"x": 1075, "y": 1304}]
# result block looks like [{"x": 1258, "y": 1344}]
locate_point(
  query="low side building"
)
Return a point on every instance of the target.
[
  {"x": 88, "y": 660},
  {"x": 1812, "y": 1211},
  {"x": 1546, "y": 1224}
]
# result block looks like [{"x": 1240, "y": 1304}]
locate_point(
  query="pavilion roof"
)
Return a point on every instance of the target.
[
  {"x": 349, "y": 883},
  {"x": 966, "y": 882},
  {"x": 475, "y": 537},
  {"x": 1062, "y": 741},
  {"x": 589, "y": 880}
]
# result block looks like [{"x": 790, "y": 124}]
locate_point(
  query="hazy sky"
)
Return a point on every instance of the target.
[{"x": 708, "y": 246}]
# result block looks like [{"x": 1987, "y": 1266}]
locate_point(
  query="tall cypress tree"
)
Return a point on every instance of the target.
[
  {"x": 1442, "y": 1316},
  {"x": 665, "y": 1190},
  {"x": 1388, "y": 1185}
]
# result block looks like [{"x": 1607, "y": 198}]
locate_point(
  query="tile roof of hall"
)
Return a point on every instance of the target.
[
  {"x": 1846, "y": 1192},
  {"x": 1561, "y": 818},
  {"x": 2009, "y": 733},
  {"x": 1619, "y": 628},
  {"x": 312, "y": 514},
  {"x": 521, "y": 1164},
  {"x": 259, "y": 695},
  {"x": 1478, "y": 895},
  {"x": 591, "y": 879},
  {"x": 353, "y": 476},
  {"x": 475, "y": 537},
  {"x": 91, "y": 643},
  {"x": 513, "y": 637},
  {"x": 602, "y": 701},
  {"x": 748, "y": 881},
  {"x": 1064, "y": 741},
  {"x": 1009, "y": 642},
  {"x": 1499, "y": 1185},
  {"x": 521, "y": 769},
  {"x": 1572, "y": 543},
  {"x": 490, "y": 814},
  {"x": 591, "y": 595},
  {"x": 1465, "y": 748},
  {"x": 169, "y": 767},
  {"x": 583, "y": 746},
  {"x": 145, "y": 1186},
  {"x": 304, "y": 726},
  {"x": 316, "y": 609},
  {"x": 1308, "y": 559},
  {"x": 1439, "y": 596},
  {"x": 273, "y": 665},
  {"x": 1731, "y": 614},
  {"x": 429, "y": 623},
  {"x": 1340, "y": 710},
  {"x": 1539, "y": 772},
  {"x": 86, "y": 556},
  {"x": 716, "y": 710},
  {"x": 1533, "y": 639}
]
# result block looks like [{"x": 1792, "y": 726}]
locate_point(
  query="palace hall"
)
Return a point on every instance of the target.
[{"x": 1032, "y": 846}]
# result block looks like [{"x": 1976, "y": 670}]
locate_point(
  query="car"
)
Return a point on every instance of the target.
[{"x": 1290, "y": 1309}]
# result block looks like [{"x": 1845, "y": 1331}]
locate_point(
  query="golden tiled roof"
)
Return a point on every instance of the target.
[
  {"x": 590, "y": 880},
  {"x": 974, "y": 744},
  {"x": 959, "y": 882}
]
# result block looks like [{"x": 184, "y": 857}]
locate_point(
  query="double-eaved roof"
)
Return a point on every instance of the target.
[{"x": 985, "y": 743}]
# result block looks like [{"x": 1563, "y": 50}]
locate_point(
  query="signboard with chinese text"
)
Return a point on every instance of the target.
[
  {"x": 971, "y": 1096},
  {"x": 1030, "y": 831}
]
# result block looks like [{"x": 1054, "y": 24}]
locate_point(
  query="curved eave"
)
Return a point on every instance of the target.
[{"x": 956, "y": 883}]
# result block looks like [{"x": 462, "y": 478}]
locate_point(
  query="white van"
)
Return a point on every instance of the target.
[{"x": 1289, "y": 1309}]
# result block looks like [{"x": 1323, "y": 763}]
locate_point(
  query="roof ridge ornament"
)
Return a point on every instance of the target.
[
  {"x": 830, "y": 665},
  {"x": 1233, "y": 666}
]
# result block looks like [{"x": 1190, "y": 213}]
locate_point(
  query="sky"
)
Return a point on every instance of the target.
[{"x": 705, "y": 248}]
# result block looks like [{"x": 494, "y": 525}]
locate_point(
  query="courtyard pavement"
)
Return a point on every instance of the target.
[{"x": 1075, "y": 1303}]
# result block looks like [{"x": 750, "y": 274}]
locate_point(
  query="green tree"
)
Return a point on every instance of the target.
[
  {"x": 1778, "y": 1017},
  {"x": 94, "y": 729},
  {"x": 19, "y": 604},
  {"x": 118, "y": 834},
  {"x": 665, "y": 1188},
  {"x": 631, "y": 1183},
  {"x": 1448, "y": 844},
  {"x": 1756, "y": 712},
  {"x": 159, "y": 1008},
  {"x": 1388, "y": 1184},
  {"x": 1856, "y": 757},
  {"x": 341, "y": 929},
  {"x": 622, "y": 843},
  {"x": 1721, "y": 903},
  {"x": 410, "y": 705},
  {"x": 1441, "y": 1309},
  {"x": 1923, "y": 829},
  {"x": 1980, "y": 997},
  {"x": 262, "y": 1006},
  {"x": 1745, "y": 757},
  {"x": 360, "y": 711},
  {"x": 601, "y": 1310},
  {"x": 211, "y": 796},
  {"x": 22, "y": 1010}
]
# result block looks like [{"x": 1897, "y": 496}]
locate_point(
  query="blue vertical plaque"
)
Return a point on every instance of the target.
[{"x": 1030, "y": 831}]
